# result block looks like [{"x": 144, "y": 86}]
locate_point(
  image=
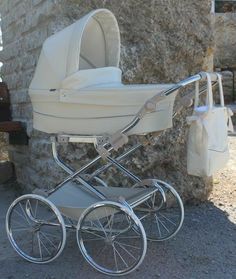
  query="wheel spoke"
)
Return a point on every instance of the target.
[
  {"x": 36, "y": 208},
  {"x": 121, "y": 246},
  {"x": 22, "y": 216},
  {"x": 163, "y": 225},
  {"x": 158, "y": 225},
  {"x": 128, "y": 245},
  {"x": 109, "y": 220},
  {"x": 167, "y": 219},
  {"x": 20, "y": 229},
  {"x": 52, "y": 244},
  {"x": 101, "y": 225},
  {"x": 120, "y": 256},
  {"x": 45, "y": 247},
  {"x": 17, "y": 222},
  {"x": 52, "y": 235},
  {"x": 101, "y": 250},
  {"x": 26, "y": 217},
  {"x": 93, "y": 239},
  {"x": 39, "y": 246},
  {"x": 145, "y": 216},
  {"x": 150, "y": 224},
  {"x": 126, "y": 237},
  {"x": 32, "y": 242},
  {"x": 31, "y": 210},
  {"x": 114, "y": 253},
  {"x": 93, "y": 233}
]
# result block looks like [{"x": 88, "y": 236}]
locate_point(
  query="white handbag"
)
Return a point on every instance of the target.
[{"x": 207, "y": 147}]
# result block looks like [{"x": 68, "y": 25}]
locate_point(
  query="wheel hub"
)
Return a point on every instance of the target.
[
  {"x": 110, "y": 239},
  {"x": 35, "y": 228}
]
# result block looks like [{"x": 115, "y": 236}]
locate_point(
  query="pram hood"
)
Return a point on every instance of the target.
[{"x": 90, "y": 43}]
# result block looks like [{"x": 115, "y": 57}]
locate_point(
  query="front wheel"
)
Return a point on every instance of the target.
[{"x": 111, "y": 238}]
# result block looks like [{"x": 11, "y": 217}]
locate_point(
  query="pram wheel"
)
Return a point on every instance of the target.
[
  {"x": 161, "y": 218},
  {"x": 111, "y": 238},
  {"x": 35, "y": 229}
]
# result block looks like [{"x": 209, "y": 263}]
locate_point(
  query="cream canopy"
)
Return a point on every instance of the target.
[{"x": 91, "y": 42}]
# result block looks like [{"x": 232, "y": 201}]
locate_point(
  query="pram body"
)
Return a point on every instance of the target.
[
  {"x": 84, "y": 94},
  {"x": 77, "y": 94}
]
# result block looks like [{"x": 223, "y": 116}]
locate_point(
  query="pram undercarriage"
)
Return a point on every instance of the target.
[{"x": 112, "y": 224}]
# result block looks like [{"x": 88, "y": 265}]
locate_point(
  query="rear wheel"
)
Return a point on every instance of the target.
[
  {"x": 162, "y": 214},
  {"x": 35, "y": 229}
]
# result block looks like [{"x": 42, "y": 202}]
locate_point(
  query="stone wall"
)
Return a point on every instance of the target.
[{"x": 162, "y": 41}]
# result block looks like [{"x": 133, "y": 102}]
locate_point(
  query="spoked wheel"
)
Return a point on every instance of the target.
[
  {"x": 35, "y": 229},
  {"x": 111, "y": 238},
  {"x": 161, "y": 216}
]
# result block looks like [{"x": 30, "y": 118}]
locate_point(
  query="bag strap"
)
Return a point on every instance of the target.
[
  {"x": 222, "y": 103},
  {"x": 196, "y": 99},
  {"x": 209, "y": 97}
]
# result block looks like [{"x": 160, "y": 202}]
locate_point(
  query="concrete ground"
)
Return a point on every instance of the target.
[{"x": 205, "y": 248}]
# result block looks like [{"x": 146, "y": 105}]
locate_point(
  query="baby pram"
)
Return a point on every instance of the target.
[{"x": 78, "y": 95}]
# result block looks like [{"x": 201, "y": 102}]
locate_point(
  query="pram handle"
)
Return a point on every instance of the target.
[{"x": 200, "y": 76}]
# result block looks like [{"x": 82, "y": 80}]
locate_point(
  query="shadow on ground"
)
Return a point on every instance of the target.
[{"x": 204, "y": 248}]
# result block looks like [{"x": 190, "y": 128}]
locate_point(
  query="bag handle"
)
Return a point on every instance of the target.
[{"x": 209, "y": 96}]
